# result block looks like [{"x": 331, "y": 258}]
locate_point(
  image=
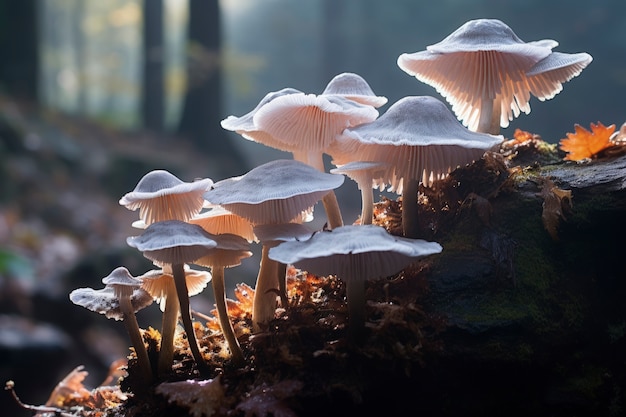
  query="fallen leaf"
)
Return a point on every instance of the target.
[
  {"x": 585, "y": 144},
  {"x": 555, "y": 200}
]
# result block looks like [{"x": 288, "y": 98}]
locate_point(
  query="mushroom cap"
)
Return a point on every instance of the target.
[
  {"x": 353, "y": 253},
  {"x": 272, "y": 234},
  {"x": 279, "y": 191},
  {"x": 354, "y": 87},
  {"x": 173, "y": 242},
  {"x": 229, "y": 252},
  {"x": 302, "y": 123},
  {"x": 160, "y": 195},
  {"x": 553, "y": 71},
  {"x": 418, "y": 137},
  {"x": 122, "y": 282},
  {"x": 105, "y": 301},
  {"x": 244, "y": 125},
  {"x": 218, "y": 221},
  {"x": 363, "y": 172},
  {"x": 159, "y": 283},
  {"x": 481, "y": 62}
]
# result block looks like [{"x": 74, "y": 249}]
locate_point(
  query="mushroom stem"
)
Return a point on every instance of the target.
[
  {"x": 355, "y": 296},
  {"x": 219, "y": 291},
  {"x": 282, "y": 284},
  {"x": 168, "y": 331},
  {"x": 136, "y": 339},
  {"x": 331, "y": 206},
  {"x": 489, "y": 121},
  {"x": 185, "y": 312},
  {"x": 367, "y": 203},
  {"x": 264, "y": 303},
  {"x": 410, "y": 221}
]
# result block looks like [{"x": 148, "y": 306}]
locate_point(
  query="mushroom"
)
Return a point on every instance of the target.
[
  {"x": 482, "y": 69},
  {"x": 420, "y": 140},
  {"x": 218, "y": 220},
  {"x": 271, "y": 235},
  {"x": 277, "y": 192},
  {"x": 160, "y": 285},
  {"x": 160, "y": 195},
  {"x": 120, "y": 299},
  {"x": 363, "y": 173},
  {"x": 353, "y": 87},
  {"x": 354, "y": 254},
  {"x": 176, "y": 243},
  {"x": 229, "y": 252}
]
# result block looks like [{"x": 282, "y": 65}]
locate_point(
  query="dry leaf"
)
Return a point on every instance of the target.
[
  {"x": 70, "y": 389},
  {"x": 585, "y": 144},
  {"x": 202, "y": 398},
  {"x": 555, "y": 201}
]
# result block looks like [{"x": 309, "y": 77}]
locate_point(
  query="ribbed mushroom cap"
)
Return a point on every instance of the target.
[
  {"x": 279, "y": 191},
  {"x": 418, "y": 137},
  {"x": 354, "y": 87},
  {"x": 160, "y": 196},
  {"x": 481, "y": 62},
  {"x": 229, "y": 252},
  {"x": 302, "y": 123},
  {"x": 105, "y": 301},
  {"x": 173, "y": 242},
  {"x": 244, "y": 125},
  {"x": 547, "y": 76},
  {"x": 159, "y": 283},
  {"x": 353, "y": 253},
  {"x": 364, "y": 173},
  {"x": 218, "y": 221}
]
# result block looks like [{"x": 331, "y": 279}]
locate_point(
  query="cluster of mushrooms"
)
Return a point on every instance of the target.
[{"x": 487, "y": 75}]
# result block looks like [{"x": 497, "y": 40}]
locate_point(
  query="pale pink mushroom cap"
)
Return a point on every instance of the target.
[
  {"x": 418, "y": 137},
  {"x": 159, "y": 283},
  {"x": 547, "y": 76},
  {"x": 279, "y": 191},
  {"x": 160, "y": 196},
  {"x": 354, "y": 87},
  {"x": 353, "y": 253},
  {"x": 229, "y": 252},
  {"x": 217, "y": 220},
  {"x": 364, "y": 173},
  {"x": 484, "y": 62},
  {"x": 173, "y": 242},
  {"x": 306, "y": 124}
]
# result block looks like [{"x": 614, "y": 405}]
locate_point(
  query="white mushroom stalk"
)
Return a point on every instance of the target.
[
  {"x": 420, "y": 140},
  {"x": 175, "y": 242},
  {"x": 354, "y": 254},
  {"x": 485, "y": 71},
  {"x": 120, "y": 299}
]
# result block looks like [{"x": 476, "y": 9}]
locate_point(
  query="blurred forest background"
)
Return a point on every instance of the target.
[{"x": 94, "y": 94}]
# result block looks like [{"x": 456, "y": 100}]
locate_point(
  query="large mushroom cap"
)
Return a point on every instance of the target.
[
  {"x": 418, "y": 137},
  {"x": 354, "y": 87},
  {"x": 105, "y": 301},
  {"x": 275, "y": 192},
  {"x": 482, "y": 67},
  {"x": 353, "y": 252},
  {"x": 553, "y": 71},
  {"x": 160, "y": 195},
  {"x": 173, "y": 242}
]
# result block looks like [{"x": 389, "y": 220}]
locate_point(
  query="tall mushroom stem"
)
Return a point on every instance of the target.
[
  {"x": 410, "y": 220},
  {"x": 331, "y": 206},
  {"x": 219, "y": 292},
  {"x": 367, "y": 204},
  {"x": 134, "y": 333},
  {"x": 168, "y": 331},
  {"x": 490, "y": 112},
  {"x": 264, "y": 303},
  {"x": 282, "y": 284},
  {"x": 185, "y": 311}
]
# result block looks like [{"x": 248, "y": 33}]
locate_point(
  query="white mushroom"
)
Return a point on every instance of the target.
[{"x": 354, "y": 87}]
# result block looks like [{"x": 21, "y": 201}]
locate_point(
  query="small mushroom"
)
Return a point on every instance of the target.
[
  {"x": 176, "y": 243},
  {"x": 229, "y": 252},
  {"x": 354, "y": 254},
  {"x": 120, "y": 299},
  {"x": 160, "y": 285},
  {"x": 364, "y": 173},
  {"x": 482, "y": 69},
  {"x": 160, "y": 195},
  {"x": 218, "y": 220},
  {"x": 354, "y": 87},
  {"x": 420, "y": 140}
]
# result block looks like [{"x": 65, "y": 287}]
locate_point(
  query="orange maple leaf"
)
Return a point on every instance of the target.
[{"x": 584, "y": 144}]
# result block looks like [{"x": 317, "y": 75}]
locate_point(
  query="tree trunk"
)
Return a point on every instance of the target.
[
  {"x": 152, "y": 106},
  {"x": 202, "y": 108}
]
